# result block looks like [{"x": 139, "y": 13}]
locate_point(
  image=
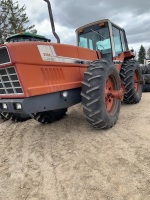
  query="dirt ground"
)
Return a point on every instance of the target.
[{"x": 68, "y": 160}]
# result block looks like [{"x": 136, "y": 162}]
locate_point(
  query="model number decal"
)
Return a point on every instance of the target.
[{"x": 46, "y": 52}]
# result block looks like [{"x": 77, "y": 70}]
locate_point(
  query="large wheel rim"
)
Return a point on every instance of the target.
[{"x": 109, "y": 99}]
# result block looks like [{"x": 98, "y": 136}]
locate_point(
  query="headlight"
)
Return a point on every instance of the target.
[
  {"x": 4, "y": 106},
  {"x": 18, "y": 106},
  {"x": 65, "y": 94}
]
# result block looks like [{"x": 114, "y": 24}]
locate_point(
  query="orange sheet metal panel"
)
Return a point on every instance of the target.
[
  {"x": 38, "y": 80},
  {"x": 28, "y": 52},
  {"x": 46, "y": 67},
  {"x": 87, "y": 54}
]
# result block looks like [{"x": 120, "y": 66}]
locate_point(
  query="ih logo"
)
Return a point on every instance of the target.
[{"x": 47, "y": 52}]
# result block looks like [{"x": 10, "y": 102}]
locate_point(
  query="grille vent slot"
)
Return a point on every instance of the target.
[{"x": 9, "y": 82}]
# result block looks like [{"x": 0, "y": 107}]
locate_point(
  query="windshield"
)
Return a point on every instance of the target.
[{"x": 97, "y": 40}]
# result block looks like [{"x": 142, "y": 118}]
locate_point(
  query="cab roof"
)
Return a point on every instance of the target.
[
  {"x": 22, "y": 34},
  {"x": 96, "y": 22}
]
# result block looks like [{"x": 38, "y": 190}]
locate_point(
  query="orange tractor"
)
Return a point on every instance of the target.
[{"x": 42, "y": 79}]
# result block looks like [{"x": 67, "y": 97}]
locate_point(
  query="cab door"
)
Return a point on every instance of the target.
[{"x": 120, "y": 44}]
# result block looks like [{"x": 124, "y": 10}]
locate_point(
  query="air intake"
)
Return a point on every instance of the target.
[{"x": 9, "y": 82}]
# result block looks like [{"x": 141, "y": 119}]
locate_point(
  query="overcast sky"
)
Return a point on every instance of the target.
[{"x": 132, "y": 15}]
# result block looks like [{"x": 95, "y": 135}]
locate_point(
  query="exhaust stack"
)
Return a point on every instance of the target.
[{"x": 52, "y": 21}]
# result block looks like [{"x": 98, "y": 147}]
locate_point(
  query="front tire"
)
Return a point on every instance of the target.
[
  {"x": 100, "y": 109},
  {"x": 131, "y": 76},
  {"x": 47, "y": 117},
  {"x": 2, "y": 117},
  {"x": 15, "y": 117}
]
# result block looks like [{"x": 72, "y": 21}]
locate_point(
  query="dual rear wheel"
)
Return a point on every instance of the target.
[
  {"x": 131, "y": 76},
  {"x": 101, "y": 91}
]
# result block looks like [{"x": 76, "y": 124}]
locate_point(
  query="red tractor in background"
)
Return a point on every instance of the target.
[{"x": 42, "y": 79}]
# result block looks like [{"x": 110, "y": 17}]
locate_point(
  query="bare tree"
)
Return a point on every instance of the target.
[
  {"x": 13, "y": 19},
  {"x": 3, "y": 21}
]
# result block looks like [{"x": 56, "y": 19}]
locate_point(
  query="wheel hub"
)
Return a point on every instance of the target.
[
  {"x": 109, "y": 99},
  {"x": 110, "y": 94}
]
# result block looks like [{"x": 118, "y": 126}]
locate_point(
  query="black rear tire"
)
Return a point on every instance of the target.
[
  {"x": 15, "y": 117},
  {"x": 146, "y": 69},
  {"x": 49, "y": 116},
  {"x": 146, "y": 88},
  {"x": 130, "y": 74},
  {"x": 98, "y": 111},
  {"x": 146, "y": 78},
  {"x": 143, "y": 69}
]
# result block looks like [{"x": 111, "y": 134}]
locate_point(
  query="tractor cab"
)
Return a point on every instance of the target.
[
  {"x": 26, "y": 37},
  {"x": 103, "y": 36}
]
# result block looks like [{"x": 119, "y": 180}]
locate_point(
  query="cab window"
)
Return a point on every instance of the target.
[
  {"x": 97, "y": 39},
  {"x": 124, "y": 46},
  {"x": 117, "y": 41}
]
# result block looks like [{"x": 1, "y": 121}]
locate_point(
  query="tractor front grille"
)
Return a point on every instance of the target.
[
  {"x": 4, "y": 56},
  {"x": 9, "y": 82}
]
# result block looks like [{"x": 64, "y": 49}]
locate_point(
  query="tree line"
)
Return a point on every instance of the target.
[
  {"x": 13, "y": 19},
  {"x": 143, "y": 54}
]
